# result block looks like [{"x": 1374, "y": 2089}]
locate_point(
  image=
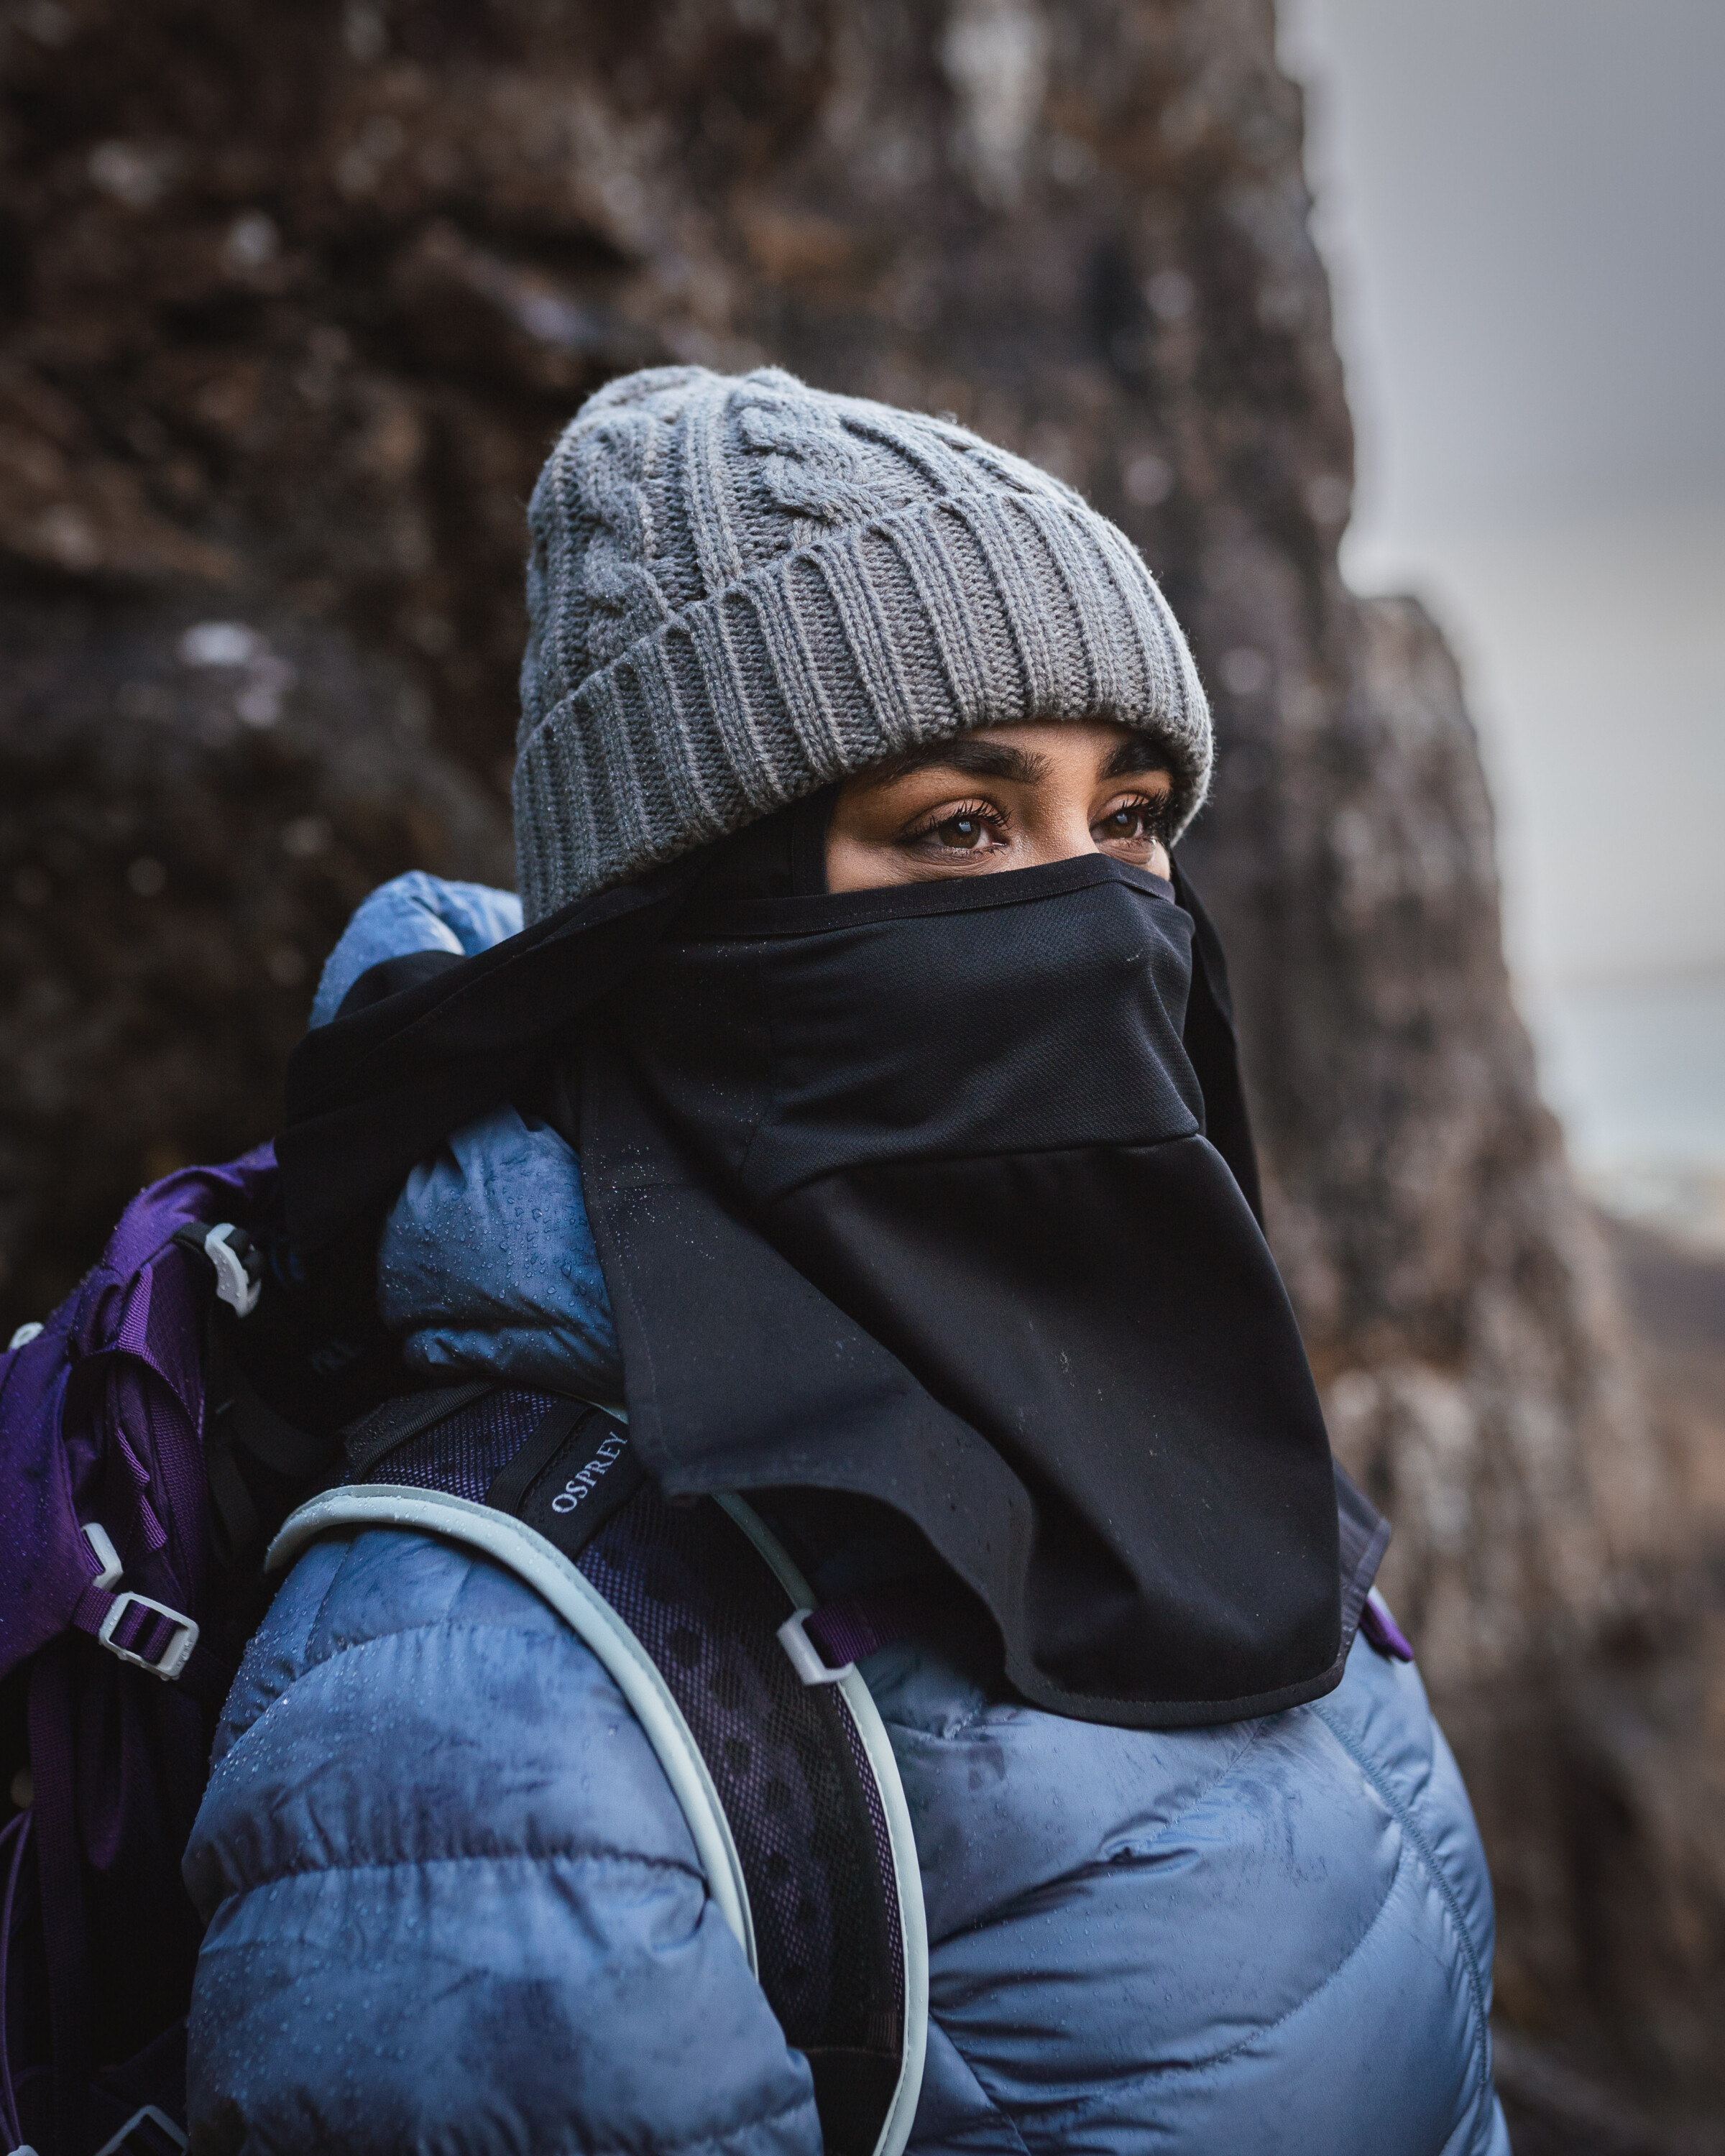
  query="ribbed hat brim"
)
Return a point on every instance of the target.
[{"x": 970, "y": 610}]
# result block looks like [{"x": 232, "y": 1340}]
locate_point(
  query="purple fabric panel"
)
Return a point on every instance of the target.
[
  {"x": 235, "y": 1190},
  {"x": 43, "y": 1565},
  {"x": 121, "y": 1356}
]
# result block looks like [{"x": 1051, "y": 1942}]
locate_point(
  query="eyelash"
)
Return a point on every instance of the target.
[
  {"x": 1156, "y": 811},
  {"x": 1155, "y": 808},
  {"x": 984, "y": 812}
]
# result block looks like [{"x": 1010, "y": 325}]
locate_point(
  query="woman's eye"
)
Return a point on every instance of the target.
[
  {"x": 1134, "y": 823},
  {"x": 963, "y": 834}
]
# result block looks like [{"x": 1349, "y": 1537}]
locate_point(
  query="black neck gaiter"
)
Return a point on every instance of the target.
[{"x": 906, "y": 1193}]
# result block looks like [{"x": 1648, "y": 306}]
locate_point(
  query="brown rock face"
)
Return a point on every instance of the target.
[
  {"x": 294, "y": 301},
  {"x": 189, "y": 809}
]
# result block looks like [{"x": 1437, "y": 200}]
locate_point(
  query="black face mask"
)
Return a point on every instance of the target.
[
  {"x": 905, "y": 1192},
  {"x": 942, "y": 1196}
]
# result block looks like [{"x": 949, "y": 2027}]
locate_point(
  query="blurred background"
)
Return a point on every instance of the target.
[
  {"x": 1519, "y": 205},
  {"x": 292, "y": 305}
]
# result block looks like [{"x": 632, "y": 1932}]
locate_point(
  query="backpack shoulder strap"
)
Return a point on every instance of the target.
[
  {"x": 848, "y": 1684},
  {"x": 525, "y": 1552},
  {"x": 779, "y": 1760}
]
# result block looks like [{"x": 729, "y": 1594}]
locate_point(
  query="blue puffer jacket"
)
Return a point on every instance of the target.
[{"x": 453, "y": 1904}]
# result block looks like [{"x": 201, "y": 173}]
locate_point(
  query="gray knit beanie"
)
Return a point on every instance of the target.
[{"x": 741, "y": 588}]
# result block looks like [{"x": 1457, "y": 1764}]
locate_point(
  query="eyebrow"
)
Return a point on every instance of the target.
[{"x": 1140, "y": 750}]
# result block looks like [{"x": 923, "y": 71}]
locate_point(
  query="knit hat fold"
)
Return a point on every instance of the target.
[{"x": 741, "y": 589}]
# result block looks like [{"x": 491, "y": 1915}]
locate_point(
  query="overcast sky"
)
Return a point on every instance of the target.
[{"x": 1522, "y": 201}]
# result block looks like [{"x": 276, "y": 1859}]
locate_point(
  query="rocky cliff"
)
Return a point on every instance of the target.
[{"x": 292, "y": 302}]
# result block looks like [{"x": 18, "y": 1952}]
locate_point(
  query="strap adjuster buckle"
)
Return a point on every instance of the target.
[
  {"x": 806, "y": 1658},
  {"x": 173, "y": 1657},
  {"x": 147, "y": 2129},
  {"x": 239, "y": 1267},
  {"x": 107, "y": 1556}
]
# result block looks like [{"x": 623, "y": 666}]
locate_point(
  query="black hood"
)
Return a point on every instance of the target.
[{"x": 941, "y": 1195}]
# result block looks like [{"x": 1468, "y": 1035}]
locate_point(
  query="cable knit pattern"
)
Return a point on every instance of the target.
[{"x": 740, "y": 588}]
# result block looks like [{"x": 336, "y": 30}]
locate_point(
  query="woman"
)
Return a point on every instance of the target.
[{"x": 859, "y": 1103}]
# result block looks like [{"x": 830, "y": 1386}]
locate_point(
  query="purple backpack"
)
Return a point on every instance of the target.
[
  {"x": 120, "y": 1632},
  {"x": 142, "y": 1478}
]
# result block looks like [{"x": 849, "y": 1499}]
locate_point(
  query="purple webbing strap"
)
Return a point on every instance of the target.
[
  {"x": 858, "y": 1625},
  {"x": 149, "y": 1634},
  {"x": 144, "y": 1632},
  {"x": 1381, "y": 1629},
  {"x": 18, "y": 1833}
]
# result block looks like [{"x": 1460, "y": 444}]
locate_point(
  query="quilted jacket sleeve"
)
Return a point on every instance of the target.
[{"x": 452, "y": 1903}]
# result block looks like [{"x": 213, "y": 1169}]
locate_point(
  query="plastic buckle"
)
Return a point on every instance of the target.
[
  {"x": 107, "y": 1557},
  {"x": 805, "y": 1657},
  {"x": 149, "y": 2116},
  {"x": 176, "y": 1653},
  {"x": 236, "y": 1283}
]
